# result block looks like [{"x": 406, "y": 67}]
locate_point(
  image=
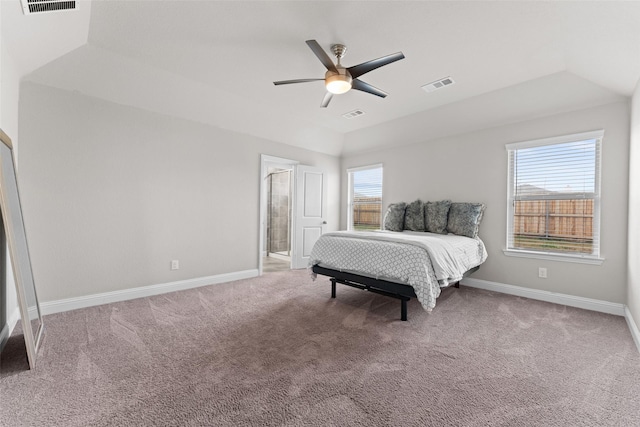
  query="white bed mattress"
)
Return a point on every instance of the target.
[{"x": 426, "y": 261}]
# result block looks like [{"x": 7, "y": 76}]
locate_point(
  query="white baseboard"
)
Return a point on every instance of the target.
[
  {"x": 564, "y": 299},
  {"x": 51, "y": 307},
  {"x": 633, "y": 327},
  {"x": 7, "y": 329}
]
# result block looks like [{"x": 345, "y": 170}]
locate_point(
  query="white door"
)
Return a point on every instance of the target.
[{"x": 311, "y": 208}]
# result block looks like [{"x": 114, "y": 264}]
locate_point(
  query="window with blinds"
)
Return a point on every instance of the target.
[
  {"x": 365, "y": 198},
  {"x": 554, "y": 195}
]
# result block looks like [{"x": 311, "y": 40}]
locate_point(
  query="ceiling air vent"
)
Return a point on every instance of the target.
[
  {"x": 40, "y": 6},
  {"x": 352, "y": 114},
  {"x": 438, "y": 84}
]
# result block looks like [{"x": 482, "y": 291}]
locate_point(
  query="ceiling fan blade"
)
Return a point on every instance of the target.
[
  {"x": 322, "y": 55},
  {"x": 360, "y": 69},
  {"x": 326, "y": 99},
  {"x": 288, "y": 82},
  {"x": 366, "y": 87}
]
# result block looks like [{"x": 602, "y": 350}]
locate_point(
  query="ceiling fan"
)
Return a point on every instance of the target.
[{"x": 339, "y": 79}]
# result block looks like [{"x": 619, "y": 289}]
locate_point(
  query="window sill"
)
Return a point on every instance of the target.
[{"x": 554, "y": 256}]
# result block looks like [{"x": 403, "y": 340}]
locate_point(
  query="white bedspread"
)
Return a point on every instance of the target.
[{"x": 426, "y": 261}]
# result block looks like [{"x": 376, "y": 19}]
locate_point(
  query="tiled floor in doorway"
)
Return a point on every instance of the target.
[{"x": 271, "y": 264}]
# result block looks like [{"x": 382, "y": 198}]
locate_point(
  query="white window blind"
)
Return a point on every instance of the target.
[
  {"x": 554, "y": 195},
  {"x": 365, "y": 198}
]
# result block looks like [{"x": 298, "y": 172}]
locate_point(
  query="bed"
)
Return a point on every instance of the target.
[{"x": 401, "y": 265}]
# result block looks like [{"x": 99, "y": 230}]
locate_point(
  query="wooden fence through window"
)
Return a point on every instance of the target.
[
  {"x": 367, "y": 212},
  {"x": 569, "y": 221}
]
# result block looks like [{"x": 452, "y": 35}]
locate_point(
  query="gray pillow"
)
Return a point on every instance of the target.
[
  {"x": 414, "y": 216},
  {"x": 464, "y": 218},
  {"x": 394, "y": 217},
  {"x": 436, "y": 216}
]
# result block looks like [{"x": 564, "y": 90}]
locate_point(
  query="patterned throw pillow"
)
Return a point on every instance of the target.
[
  {"x": 464, "y": 218},
  {"x": 436, "y": 216},
  {"x": 414, "y": 216},
  {"x": 394, "y": 217}
]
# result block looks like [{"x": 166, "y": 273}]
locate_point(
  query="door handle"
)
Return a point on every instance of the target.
[{"x": 324, "y": 222}]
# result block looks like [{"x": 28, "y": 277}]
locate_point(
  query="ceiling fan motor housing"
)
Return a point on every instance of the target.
[{"x": 339, "y": 82}]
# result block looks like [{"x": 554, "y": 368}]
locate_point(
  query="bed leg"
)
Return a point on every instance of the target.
[
  {"x": 403, "y": 310},
  {"x": 333, "y": 288},
  {"x": 457, "y": 285}
]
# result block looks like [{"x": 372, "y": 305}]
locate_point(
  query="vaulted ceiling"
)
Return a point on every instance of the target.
[{"x": 214, "y": 62}]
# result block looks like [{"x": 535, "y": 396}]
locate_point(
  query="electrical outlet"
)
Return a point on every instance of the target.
[
  {"x": 542, "y": 273},
  {"x": 175, "y": 264}
]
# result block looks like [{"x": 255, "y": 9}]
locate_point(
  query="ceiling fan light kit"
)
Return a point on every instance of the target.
[
  {"x": 338, "y": 83},
  {"x": 338, "y": 79}
]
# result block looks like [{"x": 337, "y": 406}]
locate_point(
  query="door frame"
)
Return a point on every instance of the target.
[{"x": 267, "y": 161}]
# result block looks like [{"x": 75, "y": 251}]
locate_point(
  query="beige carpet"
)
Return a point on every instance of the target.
[{"x": 277, "y": 351}]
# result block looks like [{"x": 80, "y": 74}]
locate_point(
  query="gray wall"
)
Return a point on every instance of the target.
[
  {"x": 633, "y": 262},
  {"x": 473, "y": 167},
  {"x": 111, "y": 194}
]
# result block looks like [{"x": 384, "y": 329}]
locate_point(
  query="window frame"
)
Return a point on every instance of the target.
[
  {"x": 350, "y": 195},
  {"x": 595, "y": 256}
]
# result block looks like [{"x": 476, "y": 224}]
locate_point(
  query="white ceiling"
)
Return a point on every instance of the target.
[{"x": 215, "y": 61}]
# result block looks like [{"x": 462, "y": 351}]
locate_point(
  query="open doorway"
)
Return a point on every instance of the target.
[
  {"x": 277, "y": 194},
  {"x": 279, "y": 189},
  {"x": 298, "y": 196}
]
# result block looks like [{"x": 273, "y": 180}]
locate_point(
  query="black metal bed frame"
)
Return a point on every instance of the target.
[{"x": 383, "y": 287}]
